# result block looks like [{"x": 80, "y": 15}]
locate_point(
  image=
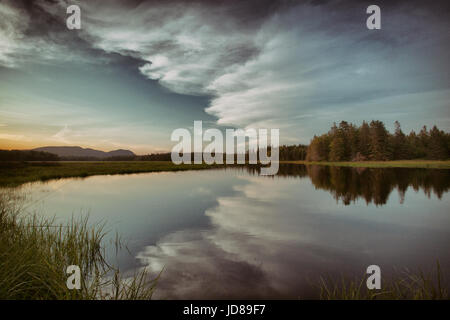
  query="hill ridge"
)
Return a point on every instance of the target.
[{"x": 77, "y": 151}]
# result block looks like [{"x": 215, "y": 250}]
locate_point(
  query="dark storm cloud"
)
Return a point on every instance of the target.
[
  {"x": 36, "y": 32},
  {"x": 293, "y": 65},
  {"x": 43, "y": 33}
]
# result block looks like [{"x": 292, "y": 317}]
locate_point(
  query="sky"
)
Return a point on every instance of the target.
[{"x": 137, "y": 70}]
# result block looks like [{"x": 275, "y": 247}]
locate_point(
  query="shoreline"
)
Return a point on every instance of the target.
[
  {"x": 13, "y": 174},
  {"x": 430, "y": 164}
]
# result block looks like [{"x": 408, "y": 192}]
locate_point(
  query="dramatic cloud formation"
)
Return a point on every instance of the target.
[
  {"x": 184, "y": 46},
  {"x": 12, "y": 26},
  {"x": 297, "y": 66}
]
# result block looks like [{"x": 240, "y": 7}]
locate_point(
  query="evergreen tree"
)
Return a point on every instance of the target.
[
  {"x": 364, "y": 141},
  {"x": 340, "y": 147},
  {"x": 437, "y": 144},
  {"x": 423, "y": 141},
  {"x": 379, "y": 141},
  {"x": 318, "y": 149},
  {"x": 372, "y": 141},
  {"x": 400, "y": 146}
]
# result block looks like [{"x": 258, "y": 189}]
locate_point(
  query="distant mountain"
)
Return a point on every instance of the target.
[{"x": 76, "y": 152}]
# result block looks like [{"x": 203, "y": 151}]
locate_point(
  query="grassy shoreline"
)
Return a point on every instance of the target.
[
  {"x": 401, "y": 285},
  {"x": 13, "y": 174},
  {"x": 16, "y": 173},
  {"x": 432, "y": 164},
  {"x": 36, "y": 251}
]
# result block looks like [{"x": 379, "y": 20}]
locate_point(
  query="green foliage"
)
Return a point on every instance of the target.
[
  {"x": 319, "y": 148},
  {"x": 295, "y": 152},
  {"x": 438, "y": 144},
  {"x": 348, "y": 142},
  {"x": 16, "y": 173},
  {"x": 427, "y": 164},
  {"x": 400, "y": 146},
  {"x": 363, "y": 144},
  {"x": 380, "y": 149},
  {"x": 27, "y": 155},
  {"x": 404, "y": 285},
  {"x": 374, "y": 185},
  {"x": 343, "y": 142},
  {"x": 34, "y": 255}
]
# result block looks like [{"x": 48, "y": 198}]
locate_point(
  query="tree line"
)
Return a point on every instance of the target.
[
  {"x": 293, "y": 152},
  {"x": 27, "y": 155},
  {"x": 346, "y": 142},
  {"x": 372, "y": 141}
]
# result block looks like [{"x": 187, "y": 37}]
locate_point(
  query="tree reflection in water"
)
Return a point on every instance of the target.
[{"x": 348, "y": 184}]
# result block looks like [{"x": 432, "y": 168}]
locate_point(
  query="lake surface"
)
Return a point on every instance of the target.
[{"x": 230, "y": 233}]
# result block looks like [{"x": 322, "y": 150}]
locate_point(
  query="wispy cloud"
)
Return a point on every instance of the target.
[
  {"x": 13, "y": 24},
  {"x": 15, "y": 137},
  {"x": 36, "y": 33},
  {"x": 262, "y": 64},
  {"x": 64, "y": 135},
  {"x": 183, "y": 46},
  {"x": 297, "y": 61}
]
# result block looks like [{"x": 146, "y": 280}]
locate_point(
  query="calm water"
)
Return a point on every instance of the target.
[{"x": 234, "y": 234}]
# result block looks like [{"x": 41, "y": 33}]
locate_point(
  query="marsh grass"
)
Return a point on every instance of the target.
[
  {"x": 402, "y": 285},
  {"x": 430, "y": 164},
  {"x": 35, "y": 252},
  {"x": 16, "y": 173},
  {"x": 13, "y": 174}
]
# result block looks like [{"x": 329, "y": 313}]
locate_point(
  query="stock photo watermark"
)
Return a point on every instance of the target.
[
  {"x": 373, "y": 22},
  {"x": 238, "y": 144},
  {"x": 73, "y": 22},
  {"x": 74, "y": 280},
  {"x": 374, "y": 280}
]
